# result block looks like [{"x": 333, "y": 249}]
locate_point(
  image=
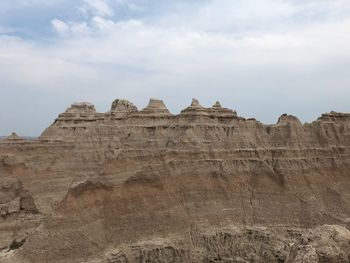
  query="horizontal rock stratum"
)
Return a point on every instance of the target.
[{"x": 205, "y": 185}]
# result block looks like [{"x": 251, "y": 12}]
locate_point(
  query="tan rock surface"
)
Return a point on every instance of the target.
[{"x": 202, "y": 186}]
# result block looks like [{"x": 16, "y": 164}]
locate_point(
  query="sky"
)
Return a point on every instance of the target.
[{"x": 262, "y": 58}]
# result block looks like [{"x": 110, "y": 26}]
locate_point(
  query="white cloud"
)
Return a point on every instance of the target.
[
  {"x": 164, "y": 50},
  {"x": 135, "y": 43},
  {"x": 256, "y": 16},
  {"x": 99, "y": 7},
  {"x": 102, "y": 24},
  {"x": 176, "y": 49},
  {"x": 60, "y": 27}
]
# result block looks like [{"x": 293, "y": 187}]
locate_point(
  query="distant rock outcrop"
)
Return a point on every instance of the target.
[{"x": 14, "y": 138}]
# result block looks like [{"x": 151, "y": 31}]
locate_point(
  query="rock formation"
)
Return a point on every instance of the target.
[
  {"x": 121, "y": 108},
  {"x": 205, "y": 185},
  {"x": 156, "y": 108},
  {"x": 195, "y": 109},
  {"x": 13, "y": 138},
  {"x": 156, "y": 105}
]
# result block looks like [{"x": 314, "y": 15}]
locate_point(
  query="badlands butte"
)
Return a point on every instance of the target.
[{"x": 205, "y": 185}]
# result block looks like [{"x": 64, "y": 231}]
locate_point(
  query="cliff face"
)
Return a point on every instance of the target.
[{"x": 202, "y": 186}]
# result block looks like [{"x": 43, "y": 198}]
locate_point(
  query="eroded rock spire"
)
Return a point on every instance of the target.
[
  {"x": 195, "y": 103},
  {"x": 156, "y": 107},
  {"x": 13, "y": 137},
  {"x": 120, "y": 105},
  {"x": 217, "y": 104}
]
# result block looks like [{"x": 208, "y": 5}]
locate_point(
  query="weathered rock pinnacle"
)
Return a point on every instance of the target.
[
  {"x": 217, "y": 105},
  {"x": 123, "y": 106},
  {"x": 156, "y": 107},
  {"x": 14, "y": 137},
  {"x": 195, "y": 103}
]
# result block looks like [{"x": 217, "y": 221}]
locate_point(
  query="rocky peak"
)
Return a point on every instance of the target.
[
  {"x": 123, "y": 106},
  {"x": 335, "y": 116},
  {"x": 217, "y": 105},
  {"x": 14, "y": 137},
  {"x": 81, "y": 107},
  {"x": 218, "y": 111},
  {"x": 195, "y": 109},
  {"x": 286, "y": 119},
  {"x": 195, "y": 104},
  {"x": 156, "y": 107},
  {"x": 80, "y": 112}
]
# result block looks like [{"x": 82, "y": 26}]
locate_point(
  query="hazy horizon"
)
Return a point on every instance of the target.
[{"x": 262, "y": 58}]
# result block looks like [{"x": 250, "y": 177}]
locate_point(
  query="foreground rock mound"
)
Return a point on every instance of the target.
[{"x": 205, "y": 185}]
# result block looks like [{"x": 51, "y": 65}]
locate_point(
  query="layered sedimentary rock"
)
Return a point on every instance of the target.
[
  {"x": 205, "y": 185},
  {"x": 156, "y": 108},
  {"x": 121, "y": 108}
]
